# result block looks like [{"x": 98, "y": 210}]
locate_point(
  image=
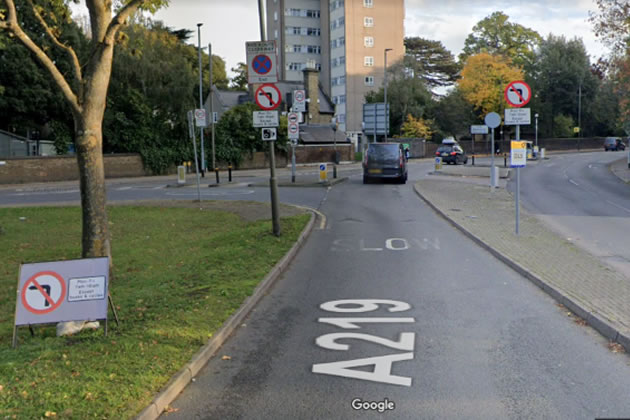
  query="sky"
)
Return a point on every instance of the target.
[{"x": 228, "y": 24}]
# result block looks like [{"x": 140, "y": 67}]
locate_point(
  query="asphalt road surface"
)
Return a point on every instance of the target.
[
  {"x": 389, "y": 308},
  {"x": 578, "y": 197}
]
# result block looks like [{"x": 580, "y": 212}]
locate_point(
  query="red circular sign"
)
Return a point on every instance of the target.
[
  {"x": 262, "y": 64},
  {"x": 42, "y": 285},
  {"x": 268, "y": 97},
  {"x": 518, "y": 93}
]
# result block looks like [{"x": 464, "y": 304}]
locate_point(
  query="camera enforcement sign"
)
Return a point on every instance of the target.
[{"x": 73, "y": 290}]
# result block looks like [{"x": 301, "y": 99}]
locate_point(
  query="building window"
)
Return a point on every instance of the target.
[
  {"x": 368, "y": 22},
  {"x": 313, "y": 31},
  {"x": 342, "y": 41},
  {"x": 342, "y": 20},
  {"x": 333, "y": 44},
  {"x": 368, "y": 61},
  {"x": 333, "y": 62},
  {"x": 275, "y": 33},
  {"x": 296, "y": 49},
  {"x": 295, "y": 66},
  {"x": 312, "y": 13},
  {"x": 369, "y": 80},
  {"x": 342, "y": 99},
  {"x": 314, "y": 49},
  {"x": 275, "y": 16},
  {"x": 368, "y": 3},
  {"x": 341, "y": 118},
  {"x": 333, "y": 25},
  {"x": 342, "y": 60},
  {"x": 292, "y": 12},
  {"x": 368, "y": 41}
]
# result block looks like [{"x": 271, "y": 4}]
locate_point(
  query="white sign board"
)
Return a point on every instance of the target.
[
  {"x": 261, "y": 62},
  {"x": 73, "y": 290},
  {"x": 518, "y": 154},
  {"x": 265, "y": 119},
  {"x": 299, "y": 101},
  {"x": 518, "y": 116},
  {"x": 478, "y": 129},
  {"x": 200, "y": 117},
  {"x": 269, "y": 134}
]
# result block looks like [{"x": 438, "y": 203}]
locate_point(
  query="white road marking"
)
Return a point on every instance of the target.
[
  {"x": 123, "y": 188},
  {"x": 574, "y": 183},
  {"x": 618, "y": 206},
  {"x": 211, "y": 193}
]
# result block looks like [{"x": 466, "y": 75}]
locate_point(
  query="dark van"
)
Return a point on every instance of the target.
[
  {"x": 614, "y": 144},
  {"x": 385, "y": 161}
]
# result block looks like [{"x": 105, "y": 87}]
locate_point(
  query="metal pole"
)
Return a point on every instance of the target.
[
  {"x": 192, "y": 131},
  {"x": 493, "y": 180},
  {"x": 385, "y": 89},
  {"x": 375, "y": 117},
  {"x": 203, "y": 159},
  {"x": 579, "y": 115},
  {"x": 536, "y": 116},
  {"x": 212, "y": 108},
  {"x": 518, "y": 182},
  {"x": 275, "y": 218},
  {"x": 292, "y": 162}
]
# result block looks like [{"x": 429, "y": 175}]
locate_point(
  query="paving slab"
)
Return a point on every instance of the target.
[{"x": 575, "y": 278}]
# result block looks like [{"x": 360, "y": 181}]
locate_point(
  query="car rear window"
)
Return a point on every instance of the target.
[
  {"x": 611, "y": 140},
  {"x": 383, "y": 151},
  {"x": 447, "y": 149}
]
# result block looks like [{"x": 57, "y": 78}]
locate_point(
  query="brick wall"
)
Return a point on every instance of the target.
[{"x": 64, "y": 168}]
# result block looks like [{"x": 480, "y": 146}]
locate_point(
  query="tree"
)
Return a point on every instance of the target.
[
  {"x": 431, "y": 62},
  {"x": 84, "y": 89},
  {"x": 453, "y": 115},
  {"x": 612, "y": 23},
  {"x": 150, "y": 92},
  {"x": 406, "y": 95},
  {"x": 484, "y": 79},
  {"x": 495, "y": 35},
  {"x": 416, "y": 127},
  {"x": 239, "y": 82},
  {"x": 562, "y": 70}
]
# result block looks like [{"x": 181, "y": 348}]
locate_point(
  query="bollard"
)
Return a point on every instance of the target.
[
  {"x": 216, "y": 171},
  {"x": 473, "y": 160},
  {"x": 335, "y": 171},
  {"x": 504, "y": 160},
  {"x": 230, "y": 173}
]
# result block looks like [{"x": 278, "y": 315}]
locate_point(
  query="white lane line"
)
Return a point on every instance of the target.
[
  {"x": 574, "y": 183},
  {"x": 123, "y": 188},
  {"x": 618, "y": 206},
  {"x": 322, "y": 216},
  {"x": 211, "y": 193}
]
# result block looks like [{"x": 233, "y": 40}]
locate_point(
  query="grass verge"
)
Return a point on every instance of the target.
[{"x": 179, "y": 274}]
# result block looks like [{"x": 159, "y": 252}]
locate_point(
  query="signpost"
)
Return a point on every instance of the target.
[
  {"x": 200, "y": 118},
  {"x": 261, "y": 62},
  {"x": 299, "y": 101},
  {"x": 323, "y": 174},
  {"x": 61, "y": 291},
  {"x": 269, "y": 134},
  {"x": 518, "y": 94},
  {"x": 293, "y": 131},
  {"x": 191, "y": 133},
  {"x": 492, "y": 120}
]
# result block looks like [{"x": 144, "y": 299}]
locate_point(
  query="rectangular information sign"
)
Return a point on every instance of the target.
[
  {"x": 478, "y": 129},
  {"x": 518, "y": 116},
  {"x": 58, "y": 291},
  {"x": 265, "y": 119},
  {"x": 518, "y": 154}
]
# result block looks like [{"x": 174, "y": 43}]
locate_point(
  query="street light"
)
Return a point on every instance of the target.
[
  {"x": 536, "y": 117},
  {"x": 203, "y": 155},
  {"x": 385, "y": 92}
]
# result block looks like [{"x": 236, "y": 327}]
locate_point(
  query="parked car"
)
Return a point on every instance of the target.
[
  {"x": 614, "y": 143},
  {"x": 451, "y": 152},
  {"x": 385, "y": 161}
]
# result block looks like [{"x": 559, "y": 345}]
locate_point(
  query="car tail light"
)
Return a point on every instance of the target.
[
  {"x": 365, "y": 159},
  {"x": 401, "y": 160},
  {"x": 453, "y": 153},
  {"x": 437, "y": 153}
]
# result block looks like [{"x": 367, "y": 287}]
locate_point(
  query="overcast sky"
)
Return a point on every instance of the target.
[{"x": 228, "y": 24}]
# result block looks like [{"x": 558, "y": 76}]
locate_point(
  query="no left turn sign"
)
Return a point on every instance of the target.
[
  {"x": 43, "y": 292},
  {"x": 518, "y": 93},
  {"x": 268, "y": 97}
]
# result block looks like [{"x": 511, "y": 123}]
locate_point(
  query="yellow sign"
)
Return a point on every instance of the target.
[
  {"x": 323, "y": 174},
  {"x": 576, "y": 129},
  {"x": 518, "y": 145}
]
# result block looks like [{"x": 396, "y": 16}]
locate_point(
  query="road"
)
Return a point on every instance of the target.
[
  {"x": 389, "y": 304},
  {"x": 578, "y": 197}
]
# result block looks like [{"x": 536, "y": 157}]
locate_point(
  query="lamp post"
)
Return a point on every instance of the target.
[
  {"x": 536, "y": 117},
  {"x": 203, "y": 155},
  {"x": 385, "y": 91}
]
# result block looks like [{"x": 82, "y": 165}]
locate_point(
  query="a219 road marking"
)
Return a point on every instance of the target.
[{"x": 382, "y": 365}]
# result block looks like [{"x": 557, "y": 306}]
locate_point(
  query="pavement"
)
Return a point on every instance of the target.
[{"x": 589, "y": 288}]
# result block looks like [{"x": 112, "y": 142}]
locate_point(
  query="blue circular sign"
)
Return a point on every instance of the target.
[
  {"x": 262, "y": 64},
  {"x": 322, "y": 167}
]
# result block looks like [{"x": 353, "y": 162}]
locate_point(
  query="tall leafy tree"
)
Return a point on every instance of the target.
[
  {"x": 562, "y": 71},
  {"x": 453, "y": 115},
  {"x": 431, "y": 61},
  {"x": 84, "y": 89},
  {"x": 406, "y": 95},
  {"x": 611, "y": 23},
  {"x": 495, "y": 35},
  {"x": 484, "y": 79},
  {"x": 239, "y": 81}
]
